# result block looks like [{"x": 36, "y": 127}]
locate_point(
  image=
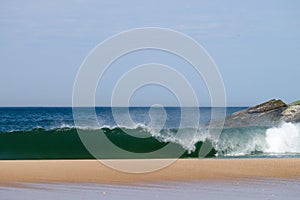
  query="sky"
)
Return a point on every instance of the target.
[{"x": 255, "y": 45}]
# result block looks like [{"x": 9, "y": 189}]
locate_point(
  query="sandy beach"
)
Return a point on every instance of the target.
[{"x": 92, "y": 171}]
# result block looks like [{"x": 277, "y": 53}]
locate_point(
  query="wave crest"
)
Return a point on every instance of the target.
[{"x": 283, "y": 139}]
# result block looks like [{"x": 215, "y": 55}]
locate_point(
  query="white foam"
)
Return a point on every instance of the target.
[{"x": 283, "y": 139}]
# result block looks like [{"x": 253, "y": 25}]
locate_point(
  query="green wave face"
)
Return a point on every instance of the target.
[{"x": 65, "y": 143}]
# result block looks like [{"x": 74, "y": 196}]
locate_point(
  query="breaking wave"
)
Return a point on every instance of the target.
[{"x": 64, "y": 142}]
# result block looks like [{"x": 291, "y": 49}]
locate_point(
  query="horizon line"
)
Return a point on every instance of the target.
[{"x": 107, "y": 106}]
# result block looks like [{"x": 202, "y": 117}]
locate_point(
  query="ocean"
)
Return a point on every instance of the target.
[{"x": 50, "y": 133}]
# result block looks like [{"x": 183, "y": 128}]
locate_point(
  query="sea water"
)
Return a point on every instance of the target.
[{"x": 50, "y": 133}]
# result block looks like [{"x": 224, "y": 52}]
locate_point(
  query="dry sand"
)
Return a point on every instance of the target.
[{"x": 92, "y": 171}]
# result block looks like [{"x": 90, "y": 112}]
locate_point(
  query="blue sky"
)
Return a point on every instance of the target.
[{"x": 255, "y": 44}]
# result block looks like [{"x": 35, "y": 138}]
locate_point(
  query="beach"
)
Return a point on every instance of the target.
[
  {"x": 92, "y": 171},
  {"x": 256, "y": 178},
  {"x": 149, "y": 100}
]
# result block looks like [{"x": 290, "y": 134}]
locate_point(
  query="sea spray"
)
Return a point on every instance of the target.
[
  {"x": 240, "y": 141},
  {"x": 283, "y": 139}
]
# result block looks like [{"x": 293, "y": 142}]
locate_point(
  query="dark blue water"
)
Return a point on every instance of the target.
[{"x": 28, "y": 118}]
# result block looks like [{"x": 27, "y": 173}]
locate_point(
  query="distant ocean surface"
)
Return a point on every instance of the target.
[{"x": 50, "y": 133}]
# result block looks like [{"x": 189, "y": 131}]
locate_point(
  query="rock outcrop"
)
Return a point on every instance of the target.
[
  {"x": 291, "y": 114},
  {"x": 266, "y": 114},
  {"x": 267, "y": 106}
]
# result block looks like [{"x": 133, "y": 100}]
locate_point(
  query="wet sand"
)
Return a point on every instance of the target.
[
  {"x": 214, "y": 189},
  {"x": 92, "y": 171}
]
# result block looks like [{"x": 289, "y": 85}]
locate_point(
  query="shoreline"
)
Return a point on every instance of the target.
[{"x": 92, "y": 171}]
